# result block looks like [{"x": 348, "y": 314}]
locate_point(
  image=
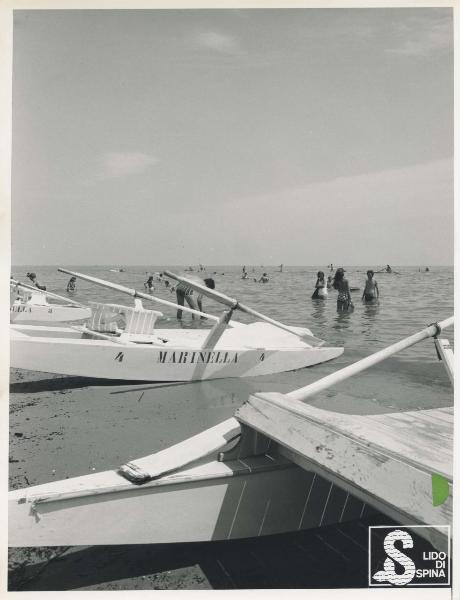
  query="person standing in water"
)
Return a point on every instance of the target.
[
  {"x": 211, "y": 284},
  {"x": 149, "y": 284},
  {"x": 264, "y": 278},
  {"x": 184, "y": 293},
  {"x": 71, "y": 286},
  {"x": 344, "y": 302},
  {"x": 371, "y": 288},
  {"x": 320, "y": 286}
]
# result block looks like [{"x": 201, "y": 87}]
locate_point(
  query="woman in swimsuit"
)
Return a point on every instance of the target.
[
  {"x": 320, "y": 286},
  {"x": 371, "y": 289},
  {"x": 71, "y": 286},
  {"x": 149, "y": 284},
  {"x": 340, "y": 284}
]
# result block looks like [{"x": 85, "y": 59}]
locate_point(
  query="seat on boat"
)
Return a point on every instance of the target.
[
  {"x": 35, "y": 298},
  {"x": 129, "y": 321}
]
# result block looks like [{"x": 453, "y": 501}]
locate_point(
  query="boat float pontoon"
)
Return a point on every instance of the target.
[
  {"x": 121, "y": 342},
  {"x": 31, "y": 306}
]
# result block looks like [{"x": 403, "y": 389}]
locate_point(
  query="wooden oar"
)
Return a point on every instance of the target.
[
  {"x": 233, "y": 303},
  {"x": 181, "y": 454},
  {"x": 45, "y": 293},
  {"x": 325, "y": 382},
  {"x": 135, "y": 294}
]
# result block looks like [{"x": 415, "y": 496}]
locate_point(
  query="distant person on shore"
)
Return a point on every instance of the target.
[
  {"x": 211, "y": 284},
  {"x": 264, "y": 278},
  {"x": 35, "y": 282},
  {"x": 344, "y": 302},
  {"x": 72, "y": 286},
  {"x": 320, "y": 286},
  {"x": 148, "y": 285},
  {"x": 371, "y": 288}
]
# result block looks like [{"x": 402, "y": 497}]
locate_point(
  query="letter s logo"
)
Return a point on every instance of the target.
[{"x": 389, "y": 573}]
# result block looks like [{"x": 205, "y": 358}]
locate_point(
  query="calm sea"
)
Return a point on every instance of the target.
[{"x": 104, "y": 424}]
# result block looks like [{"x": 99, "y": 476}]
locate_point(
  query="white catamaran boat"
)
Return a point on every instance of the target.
[
  {"x": 31, "y": 306},
  {"x": 283, "y": 466},
  {"x": 121, "y": 342}
]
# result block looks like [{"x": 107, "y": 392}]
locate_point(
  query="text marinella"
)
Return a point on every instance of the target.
[{"x": 207, "y": 357}]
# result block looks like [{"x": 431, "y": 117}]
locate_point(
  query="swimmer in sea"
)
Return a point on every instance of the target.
[
  {"x": 344, "y": 302},
  {"x": 329, "y": 282},
  {"x": 264, "y": 278},
  {"x": 320, "y": 286},
  {"x": 371, "y": 289}
]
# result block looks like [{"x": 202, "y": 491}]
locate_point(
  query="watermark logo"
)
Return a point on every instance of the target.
[{"x": 404, "y": 556}]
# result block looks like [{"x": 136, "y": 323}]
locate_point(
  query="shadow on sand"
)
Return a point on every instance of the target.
[
  {"x": 72, "y": 383},
  {"x": 326, "y": 557}
]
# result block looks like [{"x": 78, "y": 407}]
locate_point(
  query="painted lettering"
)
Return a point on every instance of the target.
[{"x": 186, "y": 357}]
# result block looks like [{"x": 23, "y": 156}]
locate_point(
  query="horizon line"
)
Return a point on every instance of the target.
[{"x": 221, "y": 265}]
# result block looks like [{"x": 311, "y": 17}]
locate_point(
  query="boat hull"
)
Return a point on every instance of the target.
[
  {"x": 210, "y": 502},
  {"x": 68, "y": 352},
  {"x": 47, "y": 313}
]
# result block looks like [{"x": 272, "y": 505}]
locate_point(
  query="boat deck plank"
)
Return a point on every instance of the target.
[{"x": 386, "y": 460}]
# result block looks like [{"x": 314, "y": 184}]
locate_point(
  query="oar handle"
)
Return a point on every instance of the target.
[{"x": 135, "y": 294}]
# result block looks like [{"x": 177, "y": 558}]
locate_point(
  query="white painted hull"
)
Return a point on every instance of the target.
[
  {"x": 66, "y": 351},
  {"x": 47, "y": 313},
  {"x": 208, "y": 502}
]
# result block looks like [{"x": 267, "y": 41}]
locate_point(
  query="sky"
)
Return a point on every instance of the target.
[{"x": 295, "y": 136}]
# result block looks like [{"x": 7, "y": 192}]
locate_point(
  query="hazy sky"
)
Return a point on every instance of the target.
[{"x": 233, "y": 137}]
